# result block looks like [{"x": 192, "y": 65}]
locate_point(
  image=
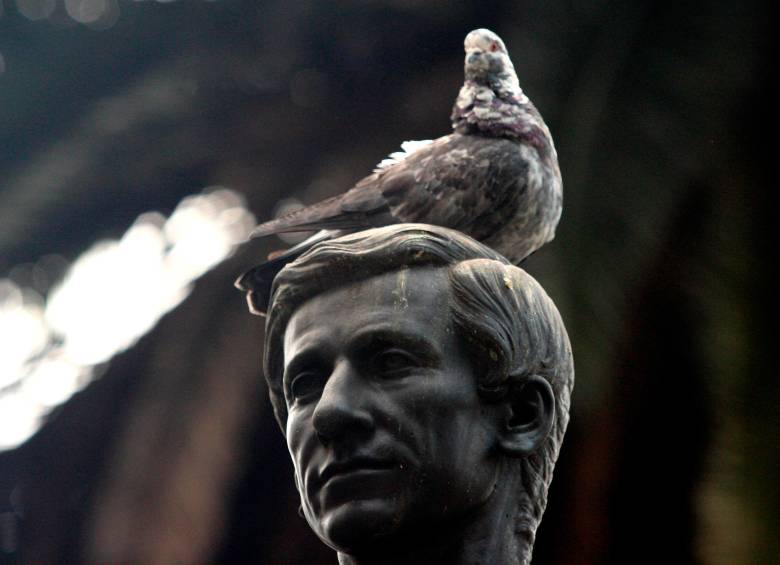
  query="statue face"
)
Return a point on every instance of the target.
[{"x": 386, "y": 431}]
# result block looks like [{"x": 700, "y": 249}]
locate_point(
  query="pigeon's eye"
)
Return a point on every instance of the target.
[{"x": 494, "y": 47}]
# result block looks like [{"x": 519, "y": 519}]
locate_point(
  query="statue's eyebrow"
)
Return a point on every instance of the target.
[
  {"x": 364, "y": 341},
  {"x": 416, "y": 343}
]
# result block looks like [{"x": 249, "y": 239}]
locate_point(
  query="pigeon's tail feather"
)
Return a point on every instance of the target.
[
  {"x": 257, "y": 281},
  {"x": 327, "y": 214},
  {"x": 334, "y": 223}
]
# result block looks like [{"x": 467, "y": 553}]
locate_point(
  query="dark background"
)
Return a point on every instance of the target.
[{"x": 663, "y": 116}]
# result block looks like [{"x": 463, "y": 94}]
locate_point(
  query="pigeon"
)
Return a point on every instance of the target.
[{"x": 495, "y": 178}]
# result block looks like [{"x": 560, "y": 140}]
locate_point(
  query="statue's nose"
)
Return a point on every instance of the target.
[{"x": 342, "y": 407}]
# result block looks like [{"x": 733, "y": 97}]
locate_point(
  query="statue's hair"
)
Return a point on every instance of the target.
[{"x": 510, "y": 326}]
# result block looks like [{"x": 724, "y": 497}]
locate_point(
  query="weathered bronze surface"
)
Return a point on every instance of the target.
[{"x": 422, "y": 383}]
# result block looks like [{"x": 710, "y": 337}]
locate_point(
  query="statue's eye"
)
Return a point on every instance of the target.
[
  {"x": 306, "y": 385},
  {"x": 393, "y": 362},
  {"x": 494, "y": 47}
]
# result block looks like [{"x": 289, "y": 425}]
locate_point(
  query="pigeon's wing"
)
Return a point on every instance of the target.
[
  {"x": 349, "y": 211},
  {"x": 466, "y": 182},
  {"x": 470, "y": 183},
  {"x": 361, "y": 207}
]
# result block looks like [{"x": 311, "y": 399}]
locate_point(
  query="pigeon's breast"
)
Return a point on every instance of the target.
[{"x": 535, "y": 209}]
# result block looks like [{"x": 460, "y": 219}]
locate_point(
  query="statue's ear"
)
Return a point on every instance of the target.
[{"x": 528, "y": 416}]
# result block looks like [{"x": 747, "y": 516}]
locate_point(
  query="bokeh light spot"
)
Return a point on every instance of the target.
[
  {"x": 36, "y": 9},
  {"x": 109, "y": 297},
  {"x": 86, "y": 11}
]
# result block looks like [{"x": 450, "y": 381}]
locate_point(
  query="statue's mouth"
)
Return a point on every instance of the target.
[{"x": 354, "y": 465}]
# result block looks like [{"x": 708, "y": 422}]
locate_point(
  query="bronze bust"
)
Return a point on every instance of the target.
[{"x": 422, "y": 383}]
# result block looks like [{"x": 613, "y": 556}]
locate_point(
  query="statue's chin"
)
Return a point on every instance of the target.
[{"x": 356, "y": 525}]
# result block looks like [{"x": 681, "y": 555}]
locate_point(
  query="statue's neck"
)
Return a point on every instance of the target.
[{"x": 488, "y": 537}]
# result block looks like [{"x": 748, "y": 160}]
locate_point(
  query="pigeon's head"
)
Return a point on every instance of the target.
[{"x": 487, "y": 60}]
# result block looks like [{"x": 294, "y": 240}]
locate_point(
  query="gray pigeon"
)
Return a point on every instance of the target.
[{"x": 495, "y": 178}]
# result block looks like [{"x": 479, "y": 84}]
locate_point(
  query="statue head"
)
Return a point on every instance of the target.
[{"x": 422, "y": 383}]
